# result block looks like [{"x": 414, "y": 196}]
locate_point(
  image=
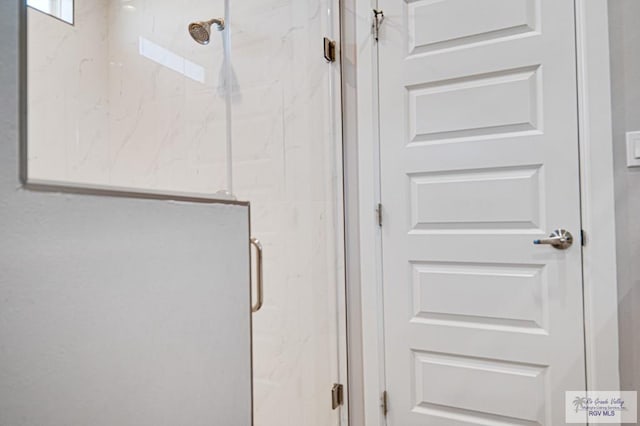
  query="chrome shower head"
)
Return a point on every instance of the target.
[{"x": 201, "y": 31}]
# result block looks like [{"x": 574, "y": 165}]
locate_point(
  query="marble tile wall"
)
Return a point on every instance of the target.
[
  {"x": 168, "y": 129},
  {"x": 68, "y": 95},
  {"x": 126, "y": 98},
  {"x": 285, "y": 163}
]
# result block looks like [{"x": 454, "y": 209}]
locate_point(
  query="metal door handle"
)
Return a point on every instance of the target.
[
  {"x": 560, "y": 239},
  {"x": 260, "y": 289}
]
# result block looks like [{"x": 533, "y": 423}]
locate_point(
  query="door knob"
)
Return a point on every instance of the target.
[{"x": 560, "y": 239}]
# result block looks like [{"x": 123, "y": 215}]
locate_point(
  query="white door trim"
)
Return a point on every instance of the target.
[
  {"x": 597, "y": 191},
  {"x": 362, "y": 194},
  {"x": 366, "y": 348}
]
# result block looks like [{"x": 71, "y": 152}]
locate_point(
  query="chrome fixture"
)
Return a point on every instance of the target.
[
  {"x": 260, "y": 290},
  {"x": 201, "y": 30},
  {"x": 560, "y": 239}
]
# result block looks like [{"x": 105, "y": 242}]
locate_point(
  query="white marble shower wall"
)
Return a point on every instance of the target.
[
  {"x": 286, "y": 162},
  {"x": 126, "y": 98},
  {"x": 167, "y": 128},
  {"x": 68, "y": 87}
]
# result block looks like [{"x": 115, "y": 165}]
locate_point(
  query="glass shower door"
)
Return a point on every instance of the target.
[
  {"x": 286, "y": 162},
  {"x": 125, "y": 99}
]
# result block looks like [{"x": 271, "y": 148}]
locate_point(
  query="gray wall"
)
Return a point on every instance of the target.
[
  {"x": 624, "y": 16},
  {"x": 116, "y": 310}
]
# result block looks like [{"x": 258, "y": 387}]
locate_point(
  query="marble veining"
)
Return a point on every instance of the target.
[
  {"x": 284, "y": 162},
  {"x": 101, "y": 112}
]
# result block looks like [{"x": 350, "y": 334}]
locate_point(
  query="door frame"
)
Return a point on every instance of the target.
[{"x": 362, "y": 194}]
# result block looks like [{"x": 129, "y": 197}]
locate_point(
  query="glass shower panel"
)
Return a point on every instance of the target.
[
  {"x": 125, "y": 98},
  {"x": 286, "y": 161}
]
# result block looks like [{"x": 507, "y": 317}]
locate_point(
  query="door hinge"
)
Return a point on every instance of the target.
[
  {"x": 379, "y": 214},
  {"x": 378, "y": 19},
  {"x": 583, "y": 238},
  {"x": 384, "y": 403},
  {"x": 337, "y": 396},
  {"x": 329, "y": 50}
]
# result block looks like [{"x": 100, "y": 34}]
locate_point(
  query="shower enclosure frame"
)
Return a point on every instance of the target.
[{"x": 346, "y": 320}]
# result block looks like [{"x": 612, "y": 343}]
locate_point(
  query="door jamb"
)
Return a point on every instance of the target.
[
  {"x": 366, "y": 347},
  {"x": 597, "y": 191}
]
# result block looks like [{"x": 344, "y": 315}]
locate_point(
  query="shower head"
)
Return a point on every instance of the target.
[{"x": 201, "y": 31}]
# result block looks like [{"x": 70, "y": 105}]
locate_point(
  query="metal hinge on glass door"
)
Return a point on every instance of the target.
[
  {"x": 329, "y": 50},
  {"x": 337, "y": 396},
  {"x": 384, "y": 404},
  {"x": 378, "y": 18}
]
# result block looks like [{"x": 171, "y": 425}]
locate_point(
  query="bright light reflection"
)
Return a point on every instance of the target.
[
  {"x": 171, "y": 60},
  {"x": 62, "y": 9}
]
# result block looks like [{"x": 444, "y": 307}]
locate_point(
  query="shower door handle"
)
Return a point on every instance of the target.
[{"x": 259, "y": 272}]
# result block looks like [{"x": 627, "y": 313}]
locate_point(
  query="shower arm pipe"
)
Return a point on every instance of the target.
[{"x": 218, "y": 22}]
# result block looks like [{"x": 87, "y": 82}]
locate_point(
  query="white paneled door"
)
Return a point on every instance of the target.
[{"x": 479, "y": 157}]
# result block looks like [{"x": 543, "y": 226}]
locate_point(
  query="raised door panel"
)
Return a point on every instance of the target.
[{"x": 440, "y": 24}]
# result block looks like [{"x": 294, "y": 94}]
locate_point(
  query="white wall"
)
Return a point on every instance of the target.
[
  {"x": 354, "y": 144},
  {"x": 624, "y": 16}
]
